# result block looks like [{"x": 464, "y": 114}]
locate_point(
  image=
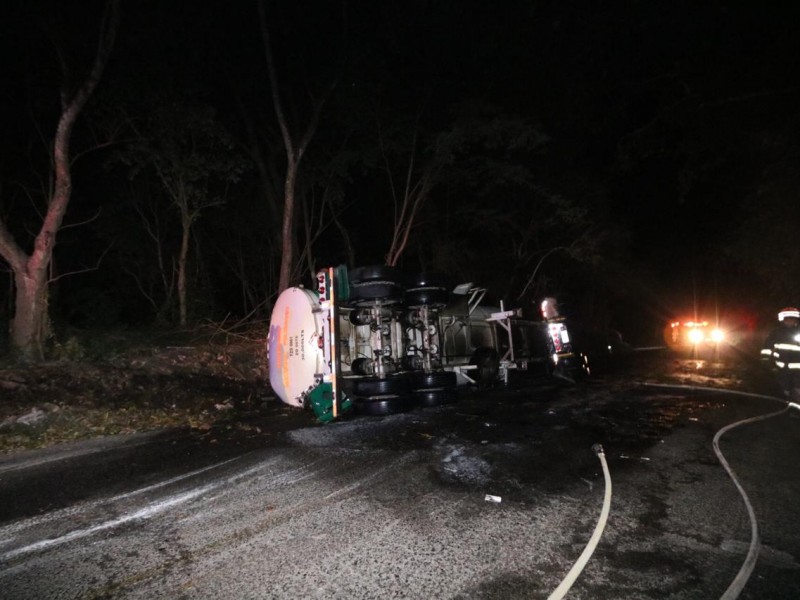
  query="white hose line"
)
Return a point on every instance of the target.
[
  {"x": 700, "y": 388},
  {"x": 576, "y": 569},
  {"x": 738, "y": 583}
]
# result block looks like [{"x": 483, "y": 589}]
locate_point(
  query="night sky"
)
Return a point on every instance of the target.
[{"x": 657, "y": 142}]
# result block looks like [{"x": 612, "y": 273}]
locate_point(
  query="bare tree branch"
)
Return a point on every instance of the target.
[
  {"x": 87, "y": 221},
  {"x": 86, "y": 270}
]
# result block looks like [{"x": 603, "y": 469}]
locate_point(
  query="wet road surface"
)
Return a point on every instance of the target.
[{"x": 396, "y": 506}]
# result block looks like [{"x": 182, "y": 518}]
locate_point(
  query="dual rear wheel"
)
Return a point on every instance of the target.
[
  {"x": 400, "y": 393},
  {"x": 397, "y": 393}
]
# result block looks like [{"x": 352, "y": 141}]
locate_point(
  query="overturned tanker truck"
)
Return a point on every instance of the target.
[{"x": 373, "y": 340}]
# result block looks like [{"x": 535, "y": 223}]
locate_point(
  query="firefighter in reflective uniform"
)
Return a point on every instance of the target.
[{"x": 782, "y": 348}]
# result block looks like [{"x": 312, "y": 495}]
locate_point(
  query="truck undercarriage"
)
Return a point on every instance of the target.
[{"x": 375, "y": 341}]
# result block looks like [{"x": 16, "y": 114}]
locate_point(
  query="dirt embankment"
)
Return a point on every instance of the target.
[{"x": 196, "y": 384}]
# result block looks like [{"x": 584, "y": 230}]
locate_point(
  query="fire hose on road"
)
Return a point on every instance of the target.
[
  {"x": 737, "y": 584},
  {"x": 576, "y": 569}
]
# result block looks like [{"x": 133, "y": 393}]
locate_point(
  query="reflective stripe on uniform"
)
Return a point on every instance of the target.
[{"x": 790, "y": 347}]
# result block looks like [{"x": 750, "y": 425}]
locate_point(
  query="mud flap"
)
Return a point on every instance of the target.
[{"x": 321, "y": 400}]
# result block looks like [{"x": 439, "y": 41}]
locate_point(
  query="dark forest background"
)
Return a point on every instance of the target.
[{"x": 634, "y": 159}]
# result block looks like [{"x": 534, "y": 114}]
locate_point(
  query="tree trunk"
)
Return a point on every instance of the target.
[
  {"x": 294, "y": 154},
  {"x": 182, "y": 260},
  {"x": 30, "y": 326},
  {"x": 287, "y": 229}
]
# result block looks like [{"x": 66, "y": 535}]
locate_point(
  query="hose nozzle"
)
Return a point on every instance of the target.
[{"x": 597, "y": 449}]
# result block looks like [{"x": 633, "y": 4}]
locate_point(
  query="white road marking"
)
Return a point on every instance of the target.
[{"x": 144, "y": 513}]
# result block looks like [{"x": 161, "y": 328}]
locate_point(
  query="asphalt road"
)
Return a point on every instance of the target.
[{"x": 396, "y": 507}]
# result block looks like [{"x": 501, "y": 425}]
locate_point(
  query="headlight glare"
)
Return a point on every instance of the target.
[{"x": 695, "y": 336}]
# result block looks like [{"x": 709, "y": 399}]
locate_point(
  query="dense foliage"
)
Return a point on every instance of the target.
[{"x": 629, "y": 160}]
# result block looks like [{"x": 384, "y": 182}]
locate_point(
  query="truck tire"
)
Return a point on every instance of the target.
[
  {"x": 434, "y": 379},
  {"x": 433, "y": 297},
  {"x": 378, "y": 282},
  {"x": 383, "y": 405},
  {"x": 366, "y": 293},
  {"x": 487, "y": 361},
  {"x": 380, "y": 386},
  {"x": 434, "y": 388},
  {"x": 426, "y": 291},
  {"x": 373, "y": 273},
  {"x": 435, "y": 397}
]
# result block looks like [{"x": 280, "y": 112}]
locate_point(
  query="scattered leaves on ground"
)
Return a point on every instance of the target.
[{"x": 197, "y": 385}]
